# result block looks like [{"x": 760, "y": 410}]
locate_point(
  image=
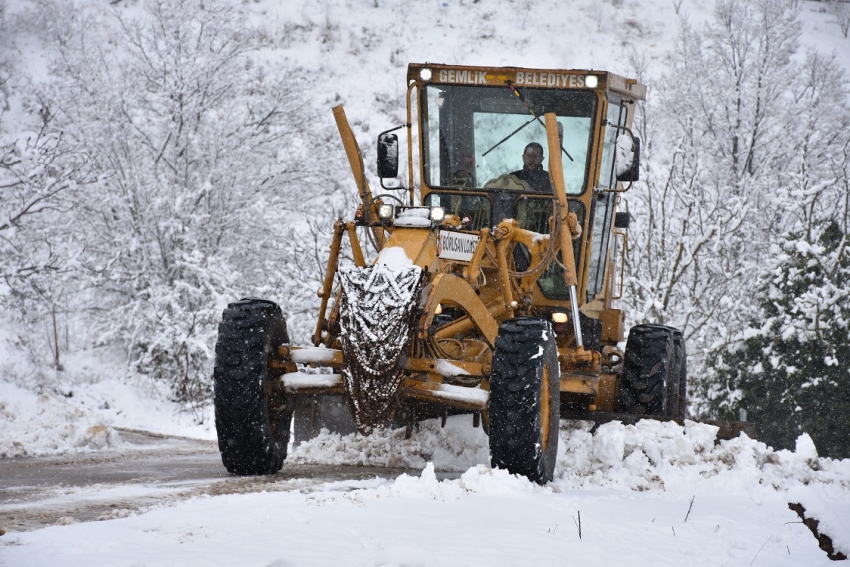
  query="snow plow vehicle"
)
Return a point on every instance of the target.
[{"x": 500, "y": 253}]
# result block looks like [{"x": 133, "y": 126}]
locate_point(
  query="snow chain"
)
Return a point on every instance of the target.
[{"x": 376, "y": 323}]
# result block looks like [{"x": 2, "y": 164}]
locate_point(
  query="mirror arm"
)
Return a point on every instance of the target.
[
  {"x": 556, "y": 171},
  {"x": 405, "y": 125}
]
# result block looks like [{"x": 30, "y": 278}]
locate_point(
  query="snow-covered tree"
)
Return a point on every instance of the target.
[
  {"x": 727, "y": 138},
  {"x": 840, "y": 11},
  {"x": 790, "y": 368},
  {"x": 5, "y": 72},
  {"x": 41, "y": 177},
  {"x": 791, "y": 371},
  {"x": 202, "y": 153}
]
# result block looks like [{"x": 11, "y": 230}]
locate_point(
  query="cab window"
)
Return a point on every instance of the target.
[
  {"x": 604, "y": 203},
  {"x": 475, "y": 134}
]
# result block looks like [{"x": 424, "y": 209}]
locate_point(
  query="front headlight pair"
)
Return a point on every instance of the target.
[{"x": 387, "y": 211}]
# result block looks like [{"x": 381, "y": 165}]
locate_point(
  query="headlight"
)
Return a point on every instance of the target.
[
  {"x": 591, "y": 81},
  {"x": 558, "y": 317},
  {"x": 385, "y": 211},
  {"x": 425, "y": 74},
  {"x": 437, "y": 214}
]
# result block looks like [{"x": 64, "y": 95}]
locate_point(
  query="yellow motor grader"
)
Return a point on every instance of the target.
[{"x": 499, "y": 254}]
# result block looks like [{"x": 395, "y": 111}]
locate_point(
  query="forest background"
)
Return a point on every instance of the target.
[{"x": 160, "y": 159}]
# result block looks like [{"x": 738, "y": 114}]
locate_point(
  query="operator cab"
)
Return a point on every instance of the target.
[
  {"x": 474, "y": 137},
  {"x": 475, "y": 128}
]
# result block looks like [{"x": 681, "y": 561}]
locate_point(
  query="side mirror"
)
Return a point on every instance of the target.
[
  {"x": 628, "y": 158},
  {"x": 387, "y": 155}
]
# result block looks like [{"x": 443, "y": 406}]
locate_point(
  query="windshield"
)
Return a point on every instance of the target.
[{"x": 475, "y": 135}]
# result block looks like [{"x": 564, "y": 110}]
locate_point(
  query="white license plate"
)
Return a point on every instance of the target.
[{"x": 457, "y": 245}]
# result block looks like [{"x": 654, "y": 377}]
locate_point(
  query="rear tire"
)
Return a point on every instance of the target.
[
  {"x": 252, "y": 414},
  {"x": 524, "y": 404},
  {"x": 681, "y": 373},
  {"x": 654, "y": 372}
]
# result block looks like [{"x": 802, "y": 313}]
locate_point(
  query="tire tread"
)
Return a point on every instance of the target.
[
  {"x": 654, "y": 372},
  {"x": 250, "y": 444},
  {"x": 515, "y": 399}
]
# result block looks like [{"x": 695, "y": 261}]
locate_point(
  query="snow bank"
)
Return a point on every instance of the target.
[
  {"x": 656, "y": 455},
  {"x": 651, "y": 455},
  {"x": 739, "y": 489},
  {"x": 479, "y": 479},
  {"x": 456, "y": 447},
  {"x": 47, "y": 424},
  {"x": 73, "y": 416},
  {"x": 49, "y": 412}
]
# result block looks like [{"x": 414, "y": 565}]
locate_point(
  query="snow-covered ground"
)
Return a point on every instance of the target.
[
  {"x": 632, "y": 486},
  {"x": 85, "y": 418},
  {"x": 649, "y": 494}
]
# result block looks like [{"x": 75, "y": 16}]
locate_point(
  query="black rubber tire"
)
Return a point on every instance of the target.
[
  {"x": 654, "y": 372},
  {"x": 681, "y": 373},
  {"x": 525, "y": 370},
  {"x": 252, "y": 414}
]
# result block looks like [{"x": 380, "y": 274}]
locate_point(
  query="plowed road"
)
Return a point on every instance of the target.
[{"x": 149, "y": 470}]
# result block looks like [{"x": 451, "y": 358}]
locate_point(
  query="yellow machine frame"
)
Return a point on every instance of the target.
[{"x": 483, "y": 287}]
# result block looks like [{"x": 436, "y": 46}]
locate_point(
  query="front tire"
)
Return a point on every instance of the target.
[
  {"x": 252, "y": 414},
  {"x": 524, "y": 404}
]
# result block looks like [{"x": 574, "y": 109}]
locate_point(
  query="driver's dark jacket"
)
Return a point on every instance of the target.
[{"x": 537, "y": 178}]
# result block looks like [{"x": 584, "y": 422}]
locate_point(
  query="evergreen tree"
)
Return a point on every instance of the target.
[{"x": 791, "y": 372}]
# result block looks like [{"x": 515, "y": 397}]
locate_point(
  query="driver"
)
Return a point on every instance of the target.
[{"x": 532, "y": 170}]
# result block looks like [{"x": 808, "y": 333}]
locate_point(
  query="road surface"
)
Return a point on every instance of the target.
[{"x": 149, "y": 470}]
